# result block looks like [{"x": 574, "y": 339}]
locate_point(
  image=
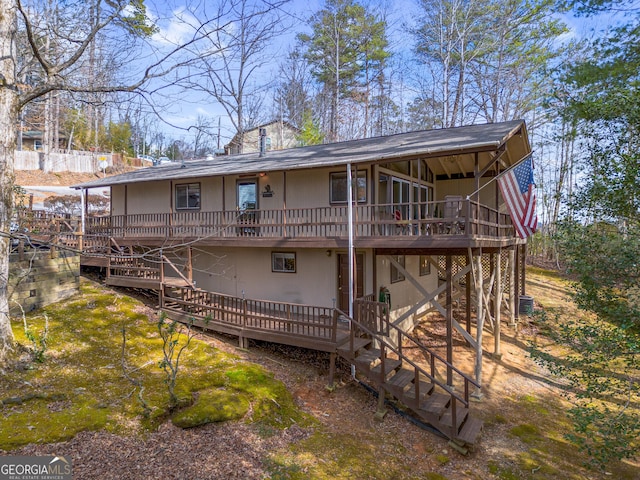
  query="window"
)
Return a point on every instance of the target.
[
  {"x": 400, "y": 195},
  {"x": 188, "y": 196},
  {"x": 284, "y": 262},
  {"x": 247, "y": 195},
  {"x": 396, "y": 275},
  {"x": 425, "y": 265},
  {"x": 339, "y": 194}
]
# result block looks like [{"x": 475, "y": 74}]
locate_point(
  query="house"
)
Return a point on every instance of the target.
[
  {"x": 33, "y": 140},
  {"x": 339, "y": 247},
  {"x": 279, "y": 135}
]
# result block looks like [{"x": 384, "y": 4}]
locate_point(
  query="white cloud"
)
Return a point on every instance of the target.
[{"x": 177, "y": 29}]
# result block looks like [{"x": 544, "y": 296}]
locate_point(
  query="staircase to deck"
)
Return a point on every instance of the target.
[
  {"x": 385, "y": 356},
  {"x": 437, "y": 394}
]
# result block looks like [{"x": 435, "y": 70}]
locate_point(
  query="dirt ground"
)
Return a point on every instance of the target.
[
  {"x": 234, "y": 450},
  {"x": 63, "y": 179}
]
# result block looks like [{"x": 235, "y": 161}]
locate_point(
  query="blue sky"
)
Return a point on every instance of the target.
[
  {"x": 173, "y": 19},
  {"x": 184, "y": 113}
]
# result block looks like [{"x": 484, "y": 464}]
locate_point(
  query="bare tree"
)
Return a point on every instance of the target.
[
  {"x": 513, "y": 73},
  {"x": 449, "y": 37},
  {"x": 8, "y": 120},
  {"x": 485, "y": 57},
  {"x": 293, "y": 94},
  {"x": 152, "y": 67},
  {"x": 242, "y": 48},
  {"x": 203, "y": 136}
]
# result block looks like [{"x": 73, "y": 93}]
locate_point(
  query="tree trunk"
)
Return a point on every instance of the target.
[{"x": 8, "y": 124}]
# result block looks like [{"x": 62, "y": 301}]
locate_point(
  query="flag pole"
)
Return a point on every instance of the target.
[{"x": 501, "y": 173}]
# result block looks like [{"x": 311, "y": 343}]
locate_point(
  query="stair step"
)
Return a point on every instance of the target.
[
  {"x": 358, "y": 343},
  {"x": 436, "y": 403},
  {"x": 401, "y": 380},
  {"x": 367, "y": 358},
  {"x": 425, "y": 389},
  {"x": 390, "y": 366},
  {"x": 461, "y": 415},
  {"x": 470, "y": 431}
]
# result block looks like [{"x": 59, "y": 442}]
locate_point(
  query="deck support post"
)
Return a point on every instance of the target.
[
  {"x": 332, "y": 370},
  {"x": 479, "y": 284},
  {"x": 189, "y": 265},
  {"x": 381, "y": 411},
  {"x": 467, "y": 288},
  {"x": 511, "y": 286},
  {"x": 243, "y": 343},
  {"x": 449, "y": 318},
  {"x": 516, "y": 289},
  {"x": 497, "y": 304},
  {"x": 523, "y": 266}
]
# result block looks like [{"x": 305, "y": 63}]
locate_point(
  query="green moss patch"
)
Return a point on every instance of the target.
[
  {"x": 526, "y": 432},
  {"x": 435, "y": 476},
  {"x": 272, "y": 403},
  {"x": 326, "y": 455},
  {"x": 81, "y": 385},
  {"x": 218, "y": 405},
  {"x": 543, "y": 453}
]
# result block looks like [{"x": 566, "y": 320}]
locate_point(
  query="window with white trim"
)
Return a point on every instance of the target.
[
  {"x": 283, "y": 262},
  {"x": 188, "y": 196}
]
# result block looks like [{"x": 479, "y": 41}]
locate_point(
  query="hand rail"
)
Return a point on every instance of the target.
[
  {"x": 165, "y": 260},
  {"x": 432, "y": 355}
]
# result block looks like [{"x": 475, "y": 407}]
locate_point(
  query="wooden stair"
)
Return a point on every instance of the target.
[{"x": 389, "y": 372}]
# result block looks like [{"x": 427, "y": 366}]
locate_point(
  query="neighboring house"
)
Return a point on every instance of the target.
[
  {"x": 32, "y": 140},
  {"x": 279, "y": 135},
  {"x": 425, "y": 227}
]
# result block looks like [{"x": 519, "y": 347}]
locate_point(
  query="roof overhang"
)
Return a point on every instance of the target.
[{"x": 450, "y": 152}]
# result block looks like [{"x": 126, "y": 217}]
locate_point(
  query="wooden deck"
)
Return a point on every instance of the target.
[
  {"x": 435, "y": 391},
  {"x": 425, "y": 231},
  {"x": 470, "y": 224},
  {"x": 316, "y": 328},
  {"x": 369, "y": 341}
]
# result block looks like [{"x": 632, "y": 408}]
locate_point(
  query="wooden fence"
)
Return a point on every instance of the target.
[{"x": 83, "y": 162}]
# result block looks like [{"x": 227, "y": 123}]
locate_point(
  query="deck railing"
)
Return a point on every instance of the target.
[
  {"x": 269, "y": 317},
  {"x": 130, "y": 267},
  {"x": 438, "y": 367},
  {"x": 466, "y": 218},
  {"x": 41, "y": 222}
]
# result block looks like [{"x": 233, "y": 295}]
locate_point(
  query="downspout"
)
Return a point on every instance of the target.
[
  {"x": 83, "y": 211},
  {"x": 351, "y": 256},
  {"x": 350, "y": 220}
]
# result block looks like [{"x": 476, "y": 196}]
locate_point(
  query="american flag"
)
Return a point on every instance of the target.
[{"x": 519, "y": 193}]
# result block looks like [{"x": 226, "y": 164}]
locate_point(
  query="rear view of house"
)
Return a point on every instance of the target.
[{"x": 378, "y": 230}]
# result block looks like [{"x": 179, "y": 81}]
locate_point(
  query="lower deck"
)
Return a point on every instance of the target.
[
  {"x": 370, "y": 342},
  {"x": 316, "y": 328}
]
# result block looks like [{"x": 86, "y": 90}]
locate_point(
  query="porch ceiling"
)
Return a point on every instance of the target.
[{"x": 451, "y": 152}]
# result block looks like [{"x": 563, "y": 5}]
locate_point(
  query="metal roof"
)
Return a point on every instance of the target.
[{"x": 453, "y": 147}]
